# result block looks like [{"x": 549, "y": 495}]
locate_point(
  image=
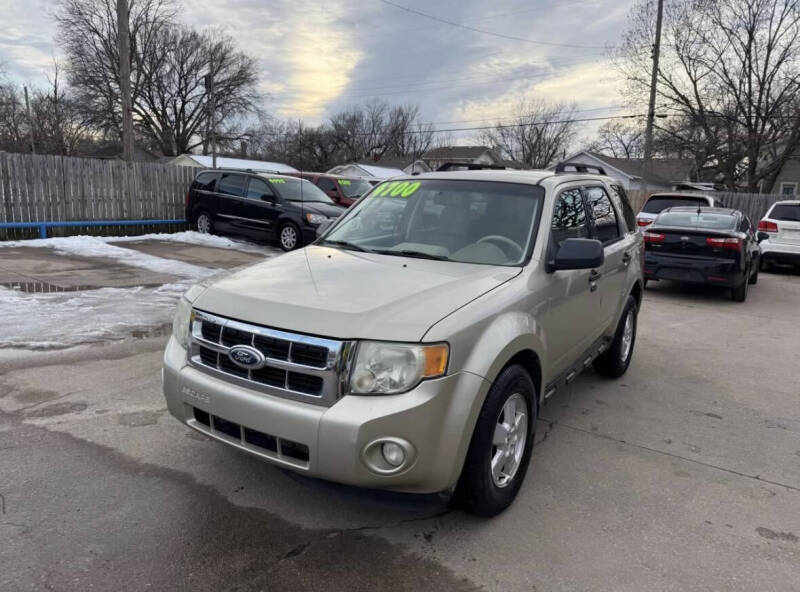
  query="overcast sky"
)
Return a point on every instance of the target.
[{"x": 319, "y": 55}]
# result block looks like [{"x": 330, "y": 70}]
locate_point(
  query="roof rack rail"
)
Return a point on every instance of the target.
[
  {"x": 579, "y": 167},
  {"x": 468, "y": 166}
]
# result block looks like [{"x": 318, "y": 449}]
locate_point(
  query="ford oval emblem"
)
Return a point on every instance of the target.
[{"x": 246, "y": 357}]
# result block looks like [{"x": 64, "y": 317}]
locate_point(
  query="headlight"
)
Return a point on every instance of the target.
[
  {"x": 181, "y": 324},
  {"x": 391, "y": 368},
  {"x": 315, "y": 218}
]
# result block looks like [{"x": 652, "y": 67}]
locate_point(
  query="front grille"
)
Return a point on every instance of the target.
[
  {"x": 296, "y": 366},
  {"x": 267, "y": 444}
]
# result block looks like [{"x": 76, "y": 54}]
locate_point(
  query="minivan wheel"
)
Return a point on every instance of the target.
[
  {"x": 614, "y": 362},
  {"x": 204, "y": 224},
  {"x": 289, "y": 237},
  {"x": 500, "y": 450}
]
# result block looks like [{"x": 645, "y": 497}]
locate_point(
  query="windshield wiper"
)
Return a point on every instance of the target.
[
  {"x": 415, "y": 254},
  {"x": 346, "y": 245}
]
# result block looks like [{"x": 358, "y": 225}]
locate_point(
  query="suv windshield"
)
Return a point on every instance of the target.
[
  {"x": 353, "y": 188},
  {"x": 467, "y": 221},
  {"x": 656, "y": 203},
  {"x": 786, "y": 212},
  {"x": 298, "y": 190}
]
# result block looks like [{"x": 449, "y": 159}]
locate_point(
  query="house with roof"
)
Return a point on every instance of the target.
[
  {"x": 666, "y": 174},
  {"x": 366, "y": 171},
  {"x": 483, "y": 155},
  {"x": 224, "y": 162}
]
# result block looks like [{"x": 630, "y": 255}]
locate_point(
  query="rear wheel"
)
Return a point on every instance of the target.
[
  {"x": 739, "y": 293},
  {"x": 289, "y": 237},
  {"x": 754, "y": 276},
  {"x": 204, "y": 224},
  {"x": 501, "y": 445},
  {"x": 614, "y": 362}
]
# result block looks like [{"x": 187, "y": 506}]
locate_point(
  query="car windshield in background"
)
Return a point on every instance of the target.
[
  {"x": 465, "y": 221},
  {"x": 786, "y": 212},
  {"x": 353, "y": 188},
  {"x": 694, "y": 220},
  {"x": 656, "y": 205},
  {"x": 298, "y": 190}
]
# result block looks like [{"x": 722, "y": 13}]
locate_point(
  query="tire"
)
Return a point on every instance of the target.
[
  {"x": 764, "y": 264},
  {"x": 754, "y": 277},
  {"x": 481, "y": 489},
  {"x": 739, "y": 293},
  {"x": 289, "y": 236},
  {"x": 644, "y": 284},
  {"x": 204, "y": 223},
  {"x": 614, "y": 362}
]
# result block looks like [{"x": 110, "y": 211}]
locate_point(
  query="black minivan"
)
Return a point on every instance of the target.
[{"x": 258, "y": 205}]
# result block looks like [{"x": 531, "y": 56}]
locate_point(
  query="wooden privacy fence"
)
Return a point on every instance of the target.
[{"x": 45, "y": 188}]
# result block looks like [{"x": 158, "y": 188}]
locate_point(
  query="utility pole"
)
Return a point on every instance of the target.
[
  {"x": 212, "y": 114},
  {"x": 651, "y": 110},
  {"x": 124, "y": 47},
  {"x": 30, "y": 119}
]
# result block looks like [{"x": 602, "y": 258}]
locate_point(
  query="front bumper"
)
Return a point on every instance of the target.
[
  {"x": 436, "y": 418},
  {"x": 711, "y": 271}
]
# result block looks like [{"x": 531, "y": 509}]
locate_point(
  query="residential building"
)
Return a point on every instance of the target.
[{"x": 224, "y": 162}]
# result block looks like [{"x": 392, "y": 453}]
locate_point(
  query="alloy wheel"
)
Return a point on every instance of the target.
[{"x": 508, "y": 442}]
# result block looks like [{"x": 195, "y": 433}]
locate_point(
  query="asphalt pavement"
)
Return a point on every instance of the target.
[{"x": 682, "y": 475}]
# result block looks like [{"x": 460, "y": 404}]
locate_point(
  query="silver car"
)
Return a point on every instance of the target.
[{"x": 411, "y": 347}]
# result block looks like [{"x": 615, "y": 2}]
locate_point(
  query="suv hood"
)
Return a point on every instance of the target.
[{"x": 350, "y": 295}]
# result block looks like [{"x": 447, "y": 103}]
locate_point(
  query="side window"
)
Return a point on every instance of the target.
[
  {"x": 232, "y": 184},
  {"x": 258, "y": 189},
  {"x": 620, "y": 200},
  {"x": 569, "y": 217},
  {"x": 326, "y": 184},
  {"x": 205, "y": 181},
  {"x": 603, "y": 215}
]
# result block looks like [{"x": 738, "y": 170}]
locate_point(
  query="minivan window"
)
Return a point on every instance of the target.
[
  {"x": 656, "y": 204},
  {"x": 435, "y": 219},
  {"x": 603, "y": 215},
  {"x": 205, "y": 181},
  {"x": 258, "y": 189},
  {"x": 298, "y": 190},
  {"x": 232, "y": 184},
  {"x": 786, "y": 212}
]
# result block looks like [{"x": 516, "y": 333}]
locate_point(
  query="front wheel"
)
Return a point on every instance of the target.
[
  {"x": 614, "y": 362},
  {"x": 501, "y": 445},
  {"x": 289, "y": 237}
]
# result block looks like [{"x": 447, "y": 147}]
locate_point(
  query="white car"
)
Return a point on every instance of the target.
[
  {"x": 658, "y": 202},
  {"x": 782, "y": 225}
]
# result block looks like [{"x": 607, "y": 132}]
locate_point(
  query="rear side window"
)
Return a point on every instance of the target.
[
  {"x": 786, "y": 212},
  {"x": 620, "y": 199},
  {"x": 569, "y": 217},
  {"x": 258, "y": 189},
  {"x": 232, "y": 184},
  {"x": 205, "y": 181},
  {"x": 603, "y": 215},
  {"x": 656, "y": 204},
  {"x": 326, "y": 184}
]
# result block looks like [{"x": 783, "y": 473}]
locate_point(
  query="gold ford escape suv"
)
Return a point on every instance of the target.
[{"x": 411, "y": 346}]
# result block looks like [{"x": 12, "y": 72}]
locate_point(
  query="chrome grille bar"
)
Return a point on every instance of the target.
[{"x": 298, "y": 380}]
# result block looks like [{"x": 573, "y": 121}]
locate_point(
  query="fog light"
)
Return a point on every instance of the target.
[{"x": 393, "y": 453}]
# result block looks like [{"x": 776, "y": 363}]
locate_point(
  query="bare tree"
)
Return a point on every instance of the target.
[
  {"x": 619, "y": 139},
  {"x": 168, "y": 66},
  {"x": 730, "y": 74},
  {"x": 539, "y": 135}
]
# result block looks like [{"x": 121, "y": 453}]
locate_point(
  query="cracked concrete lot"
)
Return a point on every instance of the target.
[{"x": 682, "y": 475}]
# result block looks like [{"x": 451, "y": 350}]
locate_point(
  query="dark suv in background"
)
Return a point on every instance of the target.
[
  {"x": 343, "y": 190},
  {"x": 258, "y": 205}
]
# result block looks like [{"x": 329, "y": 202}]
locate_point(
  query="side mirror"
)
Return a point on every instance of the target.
[
  {"x": 578, "y": 253},
  {"x": 323, "y": 227},
  {"x": 762, "y": 236},
  {"x": 268, "y": 198}
]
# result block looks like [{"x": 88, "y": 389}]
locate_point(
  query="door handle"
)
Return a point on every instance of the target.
[
  {"x": 594, "y": 275},
  {"x": 626, "y": 258}
]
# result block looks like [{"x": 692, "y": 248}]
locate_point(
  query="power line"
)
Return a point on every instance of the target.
[{"x": 485, "y": 32}]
